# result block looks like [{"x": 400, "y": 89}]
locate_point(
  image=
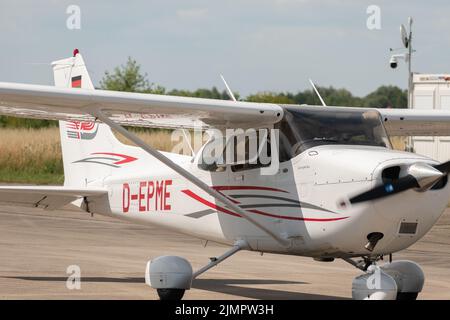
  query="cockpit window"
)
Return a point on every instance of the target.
[
  {"x": 306, "y": 127},
  {"x": 242, "y": 150}
]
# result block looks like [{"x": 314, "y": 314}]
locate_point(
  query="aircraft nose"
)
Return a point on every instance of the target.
[{"x": 404, "y": 201}]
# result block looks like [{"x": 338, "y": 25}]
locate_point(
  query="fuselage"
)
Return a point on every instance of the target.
[{"x": 301, "y": 202}]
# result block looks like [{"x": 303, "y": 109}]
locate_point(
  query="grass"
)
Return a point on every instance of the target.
[
  {"x": 398, "y": 143},
  {"x": 159, "y": 139},
  {"x": 34, "y": 155},
  {"x": 31, "y": 156}
]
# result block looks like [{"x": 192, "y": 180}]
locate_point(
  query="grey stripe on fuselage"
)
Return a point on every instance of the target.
[
  {"x": 200, "y": 214},
  {"x": 295, "y": 204},
  {"x": 298, "y": 203},
  {"x": 92, "y": 160}
]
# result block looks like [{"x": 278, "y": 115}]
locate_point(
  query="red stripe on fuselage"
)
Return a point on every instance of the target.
[
  {"x": 208, "y": 203},
  {"x": 126, "y": 158},
  {"x": 224, "y": 210}
]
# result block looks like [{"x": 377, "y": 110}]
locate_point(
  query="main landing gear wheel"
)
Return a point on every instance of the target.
[
  {"x": 171, "y": 276},
  {"x": 170, "y": 294}
]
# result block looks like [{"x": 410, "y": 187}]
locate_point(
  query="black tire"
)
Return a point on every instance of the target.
[
  {"x": 170, "y": 294},
  {"x": 407, "y": 296}
]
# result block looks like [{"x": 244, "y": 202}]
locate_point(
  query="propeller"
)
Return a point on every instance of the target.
[
  {"x": 443, "y": 167},
  {"x": 420, "y": 176}
]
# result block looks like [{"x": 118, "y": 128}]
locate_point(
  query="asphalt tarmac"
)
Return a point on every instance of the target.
[{"x": 37, "y": 247}]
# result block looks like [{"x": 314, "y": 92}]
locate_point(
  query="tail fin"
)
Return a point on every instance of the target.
[
  {"x": 72, "y": 72},
  {"x": 90, "y": 150}
]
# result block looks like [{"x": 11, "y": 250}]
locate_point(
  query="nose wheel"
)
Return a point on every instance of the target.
[
  {"x": 170, "y": 294},
  {"x": 395, "y": 280},
  {"x": 407, "y": 296}
]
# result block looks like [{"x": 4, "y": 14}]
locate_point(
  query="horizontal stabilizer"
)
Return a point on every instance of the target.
[{"x": 46, "y": 197}]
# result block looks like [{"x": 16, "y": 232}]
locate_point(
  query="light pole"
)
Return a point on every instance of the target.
[
  {"x": 410, "y": 75},
  {"x": 406, "y": 54}
]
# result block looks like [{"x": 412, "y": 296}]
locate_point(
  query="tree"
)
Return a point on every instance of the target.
[
  {"x": 129, "y": 78},
  {"x": 203, "y": 93},
  {"x": 270, "y": 97},
  {"x": 331, "y": 96},
  {"x": 387, "y": 97}
]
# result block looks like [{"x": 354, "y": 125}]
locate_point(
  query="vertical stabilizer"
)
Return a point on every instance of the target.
[{"x": 90, "y": 150}]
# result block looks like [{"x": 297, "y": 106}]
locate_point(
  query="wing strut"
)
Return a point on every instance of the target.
[{"x": 186, "y": 174}]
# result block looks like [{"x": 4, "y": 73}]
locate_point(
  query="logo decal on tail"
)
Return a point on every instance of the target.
[
  {"x": 76, "y": 82},
  {"x": 82, "y": 130},
  {"x": 108, "y": 159}
]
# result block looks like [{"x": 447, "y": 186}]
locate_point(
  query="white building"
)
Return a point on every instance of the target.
[{"x": 432, "y": 91}]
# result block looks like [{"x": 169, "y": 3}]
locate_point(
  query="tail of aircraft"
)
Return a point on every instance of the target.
[{"x": 90, "y": 150}]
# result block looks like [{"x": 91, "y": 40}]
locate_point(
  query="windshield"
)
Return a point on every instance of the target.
[{"x": 306, "y": 127}]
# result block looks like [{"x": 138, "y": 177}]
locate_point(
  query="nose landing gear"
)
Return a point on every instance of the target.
[{"x": 397, "y": 280}]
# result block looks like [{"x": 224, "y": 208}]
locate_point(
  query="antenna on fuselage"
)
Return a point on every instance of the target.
[
  {"x": 317, "y": 92},
  {"x": 229, "y": 92}
]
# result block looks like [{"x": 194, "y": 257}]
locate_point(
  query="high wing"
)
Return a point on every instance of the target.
[
  {"x": 47, "y": 197},
  {"x": 133, "y": 109},
  {"x": 416, "y": 122},
  {"x": 150, "y": 110}
]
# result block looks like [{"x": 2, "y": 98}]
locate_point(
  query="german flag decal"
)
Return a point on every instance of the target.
[{"x": 76, "y": 82}]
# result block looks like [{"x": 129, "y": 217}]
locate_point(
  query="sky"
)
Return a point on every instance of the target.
[{"x": 258, "y": 45}]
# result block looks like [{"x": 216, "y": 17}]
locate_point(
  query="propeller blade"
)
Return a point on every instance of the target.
[
  {"x": 443, "y": 167},
  {"x": 387, "y": 189}
]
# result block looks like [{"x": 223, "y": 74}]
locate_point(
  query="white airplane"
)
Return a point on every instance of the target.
[{"x": 339, "y": 191}]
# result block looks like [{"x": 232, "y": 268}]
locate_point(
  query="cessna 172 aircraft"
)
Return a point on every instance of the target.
[{"x": 339, "y": 191}]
